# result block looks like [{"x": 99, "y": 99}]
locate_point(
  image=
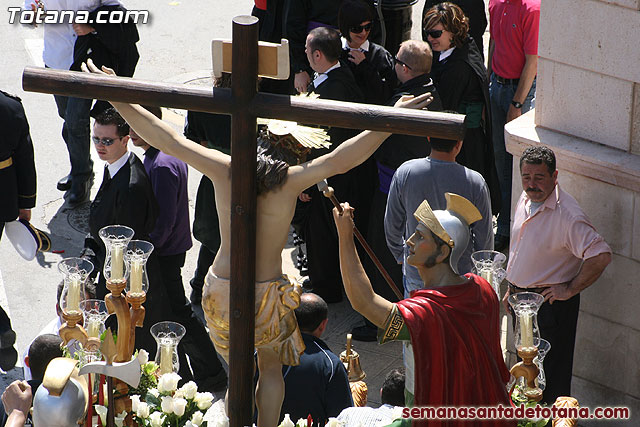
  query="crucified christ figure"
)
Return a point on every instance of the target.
[{"x": 277, "y": 338}]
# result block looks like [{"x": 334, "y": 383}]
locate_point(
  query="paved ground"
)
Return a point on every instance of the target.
[{"x": 174, "y": 46}]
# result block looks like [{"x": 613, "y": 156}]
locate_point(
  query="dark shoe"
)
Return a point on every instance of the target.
[
  {"x": 79, "y": 192},
  {"x": 7, "y": 339},
  {"x": 65, "y": 183},
  {"x": 8, "y": 354},
  {"x": 501, "y": 243},
  {"x": 365, "y": 333},
  {"x": 8, "y": 358}
]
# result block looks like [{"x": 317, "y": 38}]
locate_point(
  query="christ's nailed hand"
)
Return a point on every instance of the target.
[
  {"x": 90, "y": 67},
  {"x": 415, "y": 102}
]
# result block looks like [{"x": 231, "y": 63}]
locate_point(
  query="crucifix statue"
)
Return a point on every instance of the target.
[{"x": 253, "y": 225}]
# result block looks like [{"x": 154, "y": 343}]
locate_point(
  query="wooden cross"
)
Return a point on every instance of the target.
[{"x": 244, "y": 104}]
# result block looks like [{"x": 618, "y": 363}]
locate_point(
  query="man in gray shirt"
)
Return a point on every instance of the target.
[{"x": 430, "y": 178}]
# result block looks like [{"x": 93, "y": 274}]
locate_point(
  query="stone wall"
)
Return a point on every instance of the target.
[{"x": 588, "y": 112}]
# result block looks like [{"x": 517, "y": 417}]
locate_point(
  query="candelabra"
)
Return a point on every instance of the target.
[
  {"x": 75, "y": 271},
  {"x": 527, "y": 339}
]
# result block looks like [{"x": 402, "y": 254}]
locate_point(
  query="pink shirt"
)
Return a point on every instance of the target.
[
  {"x": 549, "y": 246},
  {"x": 514, "y": 29}
]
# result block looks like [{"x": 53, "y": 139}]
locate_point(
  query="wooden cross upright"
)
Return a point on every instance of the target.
[{"x": 244, "y": 104}]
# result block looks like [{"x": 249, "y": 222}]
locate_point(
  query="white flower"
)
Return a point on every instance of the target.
[
  {"x": 286, "y": 421},
  {"x": 189, "y": 390},
  {"x": 102, "y": 413},
  {"x": 179, "y": 405},
  {"x": 197, "y": 418},
  {"x": 178, "y": 394},
  {"x": 154, "y": 392},
  {"x": 301, "y": 422},
  {"x": 188, "y": 424},
  {"x": 143, "y": 410},
  {"x": 119, "y": 419},
  {"x": 203, "y": 400},
  {"x": 167, "y": 404},
  {"x": 135, "y": 401},
  {"x": 333, "y": 422},
  {"x": 216, "y": 415},
  {"x": 157, "y": 418},
  {"x": 143, "y": 356},
  {"x": 168, "y": 382}
]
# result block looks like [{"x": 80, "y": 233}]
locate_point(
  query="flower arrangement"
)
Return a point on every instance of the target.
[
  {"x": 518, "y": 397},
  {"x": 158, "y": 402}
]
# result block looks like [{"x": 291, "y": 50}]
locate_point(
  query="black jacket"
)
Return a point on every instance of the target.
[
  {"x": 127, "y": 199},
  {"x": 397, "y": 149},
  {"x": 461, "y": 79},
  {"x": 112, "y": 45},
  {"x": 18, "y": 180},
  {"x": 319, "y": 385},
  {"x": 374, "y": 75}
]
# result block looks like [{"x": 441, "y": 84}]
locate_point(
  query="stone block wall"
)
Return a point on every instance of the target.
[{"x": 589, "y": 70}]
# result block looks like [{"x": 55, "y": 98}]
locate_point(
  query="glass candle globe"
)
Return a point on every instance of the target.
[
  {"x": 490, "y": 266},
  {"x": 543, "y": 349},
  {"x": 136, "y": 257},
  {"x": 116, "y": 238},
  {"x": 167, "y": 336},
  {"x": 95, "y": 313},
  {"x": 75, "y": 271},
  {"x": 526, "y": 306}
]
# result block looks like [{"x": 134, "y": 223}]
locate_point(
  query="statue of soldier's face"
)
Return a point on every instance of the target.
[{"x": 423, "y": 249}]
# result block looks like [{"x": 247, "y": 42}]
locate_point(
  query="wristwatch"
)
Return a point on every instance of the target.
[{"x": 516, "y": 104}]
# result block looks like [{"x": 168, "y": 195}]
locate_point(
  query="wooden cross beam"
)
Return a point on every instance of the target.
[{"x": 244, "y": 104}]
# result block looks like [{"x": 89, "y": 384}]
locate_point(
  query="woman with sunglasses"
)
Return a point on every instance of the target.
[
  {"x": 460, "y": 77},
  {"x": 370, "y": 63}
]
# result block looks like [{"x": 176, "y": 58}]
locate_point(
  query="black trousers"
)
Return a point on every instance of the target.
[
  {"x": 196, "y": 342},
  {"x": 5, "y": 323},
  {"x": 558, "y": 322},
  {"x": 205, "y": 259}
]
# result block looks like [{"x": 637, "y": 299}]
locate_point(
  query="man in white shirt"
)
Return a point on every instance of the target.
[{"x": 59, "y": 42}]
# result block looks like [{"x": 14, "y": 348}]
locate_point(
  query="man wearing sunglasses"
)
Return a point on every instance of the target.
[{"x": 126, "y": 198}]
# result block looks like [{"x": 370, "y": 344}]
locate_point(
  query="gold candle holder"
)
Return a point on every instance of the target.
[{"x": 528, "y": 370}]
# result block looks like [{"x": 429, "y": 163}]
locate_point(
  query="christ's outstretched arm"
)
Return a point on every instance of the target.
[{"x": 160, "y": 135}]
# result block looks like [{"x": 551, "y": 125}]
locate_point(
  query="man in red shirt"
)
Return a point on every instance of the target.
[
  {"x": 450, "y": 327},
  {"x": 512, "y": 68}
]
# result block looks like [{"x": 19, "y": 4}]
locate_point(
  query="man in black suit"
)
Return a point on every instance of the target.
[
  {"x": 17, "y": 193},
  {"x": 126, "y": 198},
  {"x": 332, "y": 80}
]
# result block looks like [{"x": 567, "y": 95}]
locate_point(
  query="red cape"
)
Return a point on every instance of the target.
[{"x": 455, "y": 333}]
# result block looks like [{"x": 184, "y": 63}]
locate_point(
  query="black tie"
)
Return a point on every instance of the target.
[{"x": 107, "y": 176}]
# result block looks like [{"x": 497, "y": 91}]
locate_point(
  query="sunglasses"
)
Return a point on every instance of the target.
[
  {"x": 104, "y": 141},
  {"x": 397, "y": 61},
  {"x": 434, "y": 33},
  {"x": 358, "y": 28}
]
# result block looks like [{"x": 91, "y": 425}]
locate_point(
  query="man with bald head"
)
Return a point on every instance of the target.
[{"x": 319, "y": 385}]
